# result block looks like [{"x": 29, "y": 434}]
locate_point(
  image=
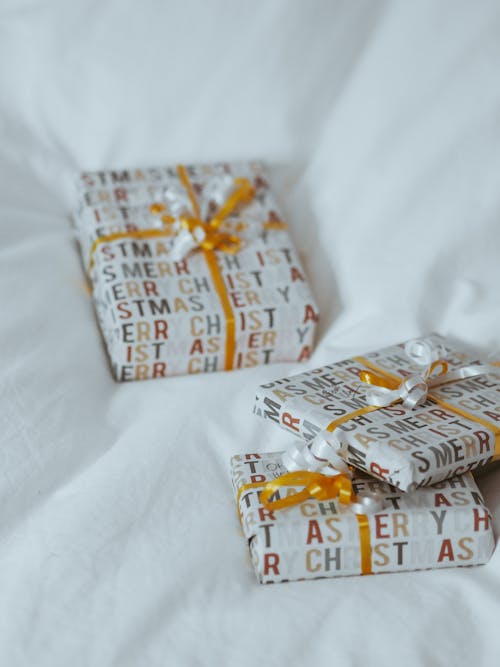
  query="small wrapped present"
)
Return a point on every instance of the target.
[
  {"x": 192, "y": 270},
  {"x": 326, "y": 536},
  {"x": 411, "y": 414}
]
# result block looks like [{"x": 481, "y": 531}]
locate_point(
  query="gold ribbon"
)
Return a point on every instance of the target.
[
  {"x": 212, "y": 239},
  {"x": 383, "y": 378},
  {"x": 317, "y": 486}
]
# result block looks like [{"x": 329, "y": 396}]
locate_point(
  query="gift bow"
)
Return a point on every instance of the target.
[
  {"x": 192, "y": 232},
  {"x": 320, "y": 486},
  {"x": 316, "y": 485},
  {"x": 413, "y": 390}
]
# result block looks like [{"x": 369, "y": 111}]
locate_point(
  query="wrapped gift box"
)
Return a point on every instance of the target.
[
  {"x": 167, "y": 306},
  {"x": 442, "y": 526},
  {"x": 454, "y": 431}
]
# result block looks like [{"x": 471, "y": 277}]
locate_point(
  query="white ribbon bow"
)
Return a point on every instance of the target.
[
  {"x": 215, "y": 192},
  {"x": 411, "y": 392}
]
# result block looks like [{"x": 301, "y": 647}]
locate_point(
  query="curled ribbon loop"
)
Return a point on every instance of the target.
[
  {"x": 320, "y": 487},
  {"x": 423, "y": 352}
]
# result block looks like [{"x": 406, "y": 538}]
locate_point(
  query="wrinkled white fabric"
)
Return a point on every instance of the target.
[{"x": 119, "y": 542}]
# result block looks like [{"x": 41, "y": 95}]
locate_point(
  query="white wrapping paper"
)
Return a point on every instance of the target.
[
  {"x": 446, "y": 525},
  {"x": 159, "y": 311}
]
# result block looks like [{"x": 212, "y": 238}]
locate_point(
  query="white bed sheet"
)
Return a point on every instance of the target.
[{"x": 119, "y": 542}]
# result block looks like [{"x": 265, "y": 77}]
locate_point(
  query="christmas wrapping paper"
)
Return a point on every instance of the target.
[
  {"x": 441, "y": 526},
  {"x": 167, "y": 308},
  {"x": 454, "y": 431}
]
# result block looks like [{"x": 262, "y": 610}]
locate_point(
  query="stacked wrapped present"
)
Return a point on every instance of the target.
[{"x": 381, "y": 478}]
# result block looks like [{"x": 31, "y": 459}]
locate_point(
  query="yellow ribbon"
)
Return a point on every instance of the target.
[
  {"x": 317, "y": 486},
  {"x": 213, "y": 239}
]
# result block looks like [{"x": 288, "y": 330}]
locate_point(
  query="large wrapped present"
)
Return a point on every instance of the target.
[
  {"x": 411, "y": 414},
  {"x": 441, "y": 526},
  {"x": 193, "y": 270}
]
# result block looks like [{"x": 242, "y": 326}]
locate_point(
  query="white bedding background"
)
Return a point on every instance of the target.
[{"x": 119, "y": 542}]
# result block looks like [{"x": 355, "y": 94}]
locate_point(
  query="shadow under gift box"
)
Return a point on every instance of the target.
[
  {"x": 210, "y": 310},
  {"x": 456, "y": 430},
  {"x": 447, "y": 525}
]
